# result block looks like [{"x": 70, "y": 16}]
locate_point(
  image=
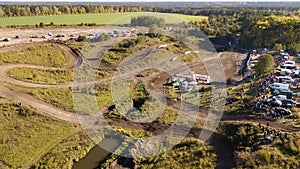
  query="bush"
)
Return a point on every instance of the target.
[
  {"x": 229, "y": 80},
  {"x": 147, "y": 21},
  {"x": 81, "y": 39},
  {"x": 262, "y": 157},
  {"x": 42, "y": 24}
]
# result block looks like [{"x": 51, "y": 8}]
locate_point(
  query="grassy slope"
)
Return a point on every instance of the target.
[
  {"x": 44, "y": 55},
  {"x": 63, "y": 98},
  {"x": 26, "y": 134},
  {"x": 102, "y": 18},
  {"x": 189, "y": 153},
  {"x": 251, "y": 153},
  {"x": 41, "y": 76},
  {"x": 66, "y": 152},
  {"x": 53, "y": 76},
  {"x": 59, "y": 97}
]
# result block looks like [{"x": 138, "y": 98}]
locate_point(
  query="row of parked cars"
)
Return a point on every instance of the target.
[{"x": 282, "y": 95}]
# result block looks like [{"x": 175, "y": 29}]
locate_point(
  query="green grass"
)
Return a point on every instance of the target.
[
  {"x": 63, "y": 97},
  {"x": 250, "y": 153},
  {"x": 126, "y": 48},
  {"x": 132, "y": 133},
  {"x": 168, "y": 116},
  {"x": 59, "y": 97},
  {"x": 53, "y": 76},
  {"x": 66, "y": 152},
  {"x": 44, "y": 55},
  {"x": 102, "y": 18},
  {"x": 26, "y": 134},
  {"x": 42, "y": 76},
  {"x": 189, "y": 153}
]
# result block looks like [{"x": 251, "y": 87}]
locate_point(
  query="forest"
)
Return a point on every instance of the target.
[{"x": 254, "y": 29}]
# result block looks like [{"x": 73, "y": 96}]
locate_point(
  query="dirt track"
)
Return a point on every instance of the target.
[
  {"x": 225, "y": 156},
  {"x": 28, "y": 99}
]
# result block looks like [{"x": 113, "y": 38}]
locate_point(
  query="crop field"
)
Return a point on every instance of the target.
[{"x": 102, "y": 18}]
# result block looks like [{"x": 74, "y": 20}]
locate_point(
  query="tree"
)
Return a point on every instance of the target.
[
  {"x": 278, "y": 47},
  {"x": 147, "y": 21},
  {"x": 82, "y": 39},
  {"x": 264, "y": 65},
  {"x": 153, "y": 30},
  {"x": 294, "y": 48},
  {"x": 1, "y": 12},
  {"x": 205, "y": 21},
  {"x": 42, "y": 24}
]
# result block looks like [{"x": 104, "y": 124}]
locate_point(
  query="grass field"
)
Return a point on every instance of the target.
[
  {"x": 189, "y": 153},
  {"x": 33, "y": 75},
  {"x": 250, "y": 152},
  {"x": 61, "y": 97},
  {"x": 66, "y": 152},
  {"x": 102, "y": 18},
  {"x": 117, "y": 55},
  {"x": 25, "y": 134},
  {"x": 45, "y": 55},
  {"x": 42, "y": 76}
]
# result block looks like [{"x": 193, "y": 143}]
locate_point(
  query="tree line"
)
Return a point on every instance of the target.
[{"x": 41, "y": 10}]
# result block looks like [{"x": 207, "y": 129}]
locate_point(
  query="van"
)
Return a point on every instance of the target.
[{"x": 279, "y": 86}]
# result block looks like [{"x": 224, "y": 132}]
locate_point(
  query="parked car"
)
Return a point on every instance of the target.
[
  {"x": 274, "y": 102},
  {"x": 280, "y": 97},
  {"x": 289, "y": 103},
  {"x": 6, "y": 39},
  {"x": 231, "y": 100},
  {"x": 286, "y": 79},
  {"x": 288, "y": 66},
  {"x": 279, "y": 86},
  {"x": 287, "y": 93},
  {"x": 289, "y": 62},
  {"x": 282, "y": 111},
  {"x": 35, "y": 36},
  {"x": 295, "y": 74}
]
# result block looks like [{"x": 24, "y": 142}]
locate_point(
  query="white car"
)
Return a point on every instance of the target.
[
  {"x": 280, "y": 97},
  {"x": 287, "y": 79}
]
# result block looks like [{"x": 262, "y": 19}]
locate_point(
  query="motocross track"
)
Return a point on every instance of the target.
[{"x": 225, "y": 158}]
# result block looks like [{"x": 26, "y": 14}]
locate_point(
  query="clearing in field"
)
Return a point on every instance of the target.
[{"x": 101, "y": 18}]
